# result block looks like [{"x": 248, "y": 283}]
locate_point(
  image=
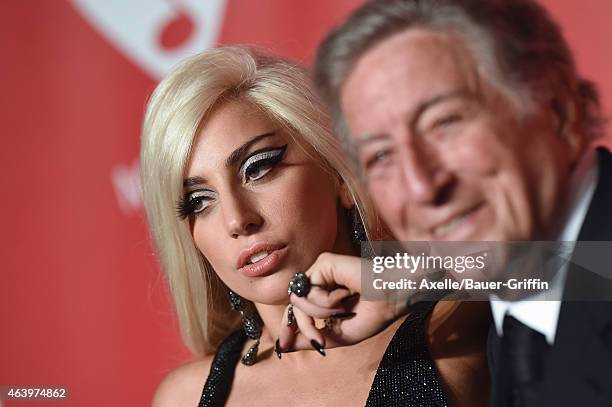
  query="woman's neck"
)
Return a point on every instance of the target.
[{"x": 271, "y": 315}]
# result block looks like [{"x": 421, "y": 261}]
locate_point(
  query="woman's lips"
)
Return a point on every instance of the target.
[{"x": 266, "y": 265}]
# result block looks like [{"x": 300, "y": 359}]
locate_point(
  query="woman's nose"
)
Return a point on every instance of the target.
[{"x": 240, "y": 215}]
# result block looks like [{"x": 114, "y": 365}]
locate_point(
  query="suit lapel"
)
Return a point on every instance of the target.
[
  {"x": 598, "y": 221},
  {"x": 580, "y": 362}
]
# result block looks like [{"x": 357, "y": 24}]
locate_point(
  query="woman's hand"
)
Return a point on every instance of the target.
[{"x": 335, "y": 296}]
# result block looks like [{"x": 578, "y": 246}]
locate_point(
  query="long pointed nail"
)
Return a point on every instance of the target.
[
  {"x": 290, "y": 315},
  {"x": 277, "y": 349},
  {"x": 349, "y": 298},
  {"x": 341, "y": 315},
  {"x": 317, "y": 346}
]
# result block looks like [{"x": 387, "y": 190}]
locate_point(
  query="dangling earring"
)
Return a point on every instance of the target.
[
  {"x": 358, "y": 233},
  {"x": 357, "y": 228},
  {"x": 251, "y": 323}
]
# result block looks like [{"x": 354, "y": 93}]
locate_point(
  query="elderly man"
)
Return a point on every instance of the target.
[{"x": 470, "y": 122}]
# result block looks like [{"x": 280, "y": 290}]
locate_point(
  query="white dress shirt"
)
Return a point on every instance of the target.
[{"x": 536, "y": 312}]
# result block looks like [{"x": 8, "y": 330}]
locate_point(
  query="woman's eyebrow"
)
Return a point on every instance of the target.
[
  {"x": 231, "y": 160},
  {"x": 238, "y": 153},
  {"x": 193, "y": 181}
]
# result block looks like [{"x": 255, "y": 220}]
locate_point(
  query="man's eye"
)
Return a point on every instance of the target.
[
  {"x": 447, "y": 120},
  {"x": 261, "y": 162},
  {"x": 379, "y": 157},
  {"x": 194, "y": 203}
]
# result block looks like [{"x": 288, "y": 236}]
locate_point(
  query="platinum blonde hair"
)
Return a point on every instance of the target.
[
  {"x": 175, "y": 113},
  {"x": 517, "y": 46}
]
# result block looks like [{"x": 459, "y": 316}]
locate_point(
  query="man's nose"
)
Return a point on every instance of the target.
[
  {"x": 240, "y": 216},
  {"x": 425, "y": 176}
]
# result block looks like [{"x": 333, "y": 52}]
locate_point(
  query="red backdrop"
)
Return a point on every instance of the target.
[{"x": 82, "y": 302}]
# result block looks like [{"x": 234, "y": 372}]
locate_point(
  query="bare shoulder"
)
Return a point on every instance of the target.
[{"x": 183, "y": 386}]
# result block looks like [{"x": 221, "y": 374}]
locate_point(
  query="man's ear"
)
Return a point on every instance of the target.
[
  {"x": 345, "y": 196},
  {"x": 567, "y": 126}
]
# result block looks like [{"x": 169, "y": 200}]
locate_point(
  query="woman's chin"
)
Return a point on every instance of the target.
[
  {"x": 272, "y": 299},
  {"x": 269, "y": 292}
]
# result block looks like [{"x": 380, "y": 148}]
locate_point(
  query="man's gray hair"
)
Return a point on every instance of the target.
[{"x": 515, "y": 41}]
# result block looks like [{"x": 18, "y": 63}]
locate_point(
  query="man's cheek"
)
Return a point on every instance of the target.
[
  {"x": 476, "y": 158},
  {"x": 387, "y": 199}
]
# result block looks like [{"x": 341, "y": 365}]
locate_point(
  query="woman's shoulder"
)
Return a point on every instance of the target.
[{"x": 183, "y": 386}]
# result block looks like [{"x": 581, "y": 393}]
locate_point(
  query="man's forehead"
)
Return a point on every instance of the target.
[
  {"x": 402, "y": 72},
  {"x": 416, "y": 52}
]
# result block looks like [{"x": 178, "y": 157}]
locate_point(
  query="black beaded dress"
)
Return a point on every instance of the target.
[{"x": 406, "y": 375}]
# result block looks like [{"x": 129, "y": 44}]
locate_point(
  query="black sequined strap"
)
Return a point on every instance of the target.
[
  {"x": 221, "y": 375},
  {"x": 406, "y": 375}
]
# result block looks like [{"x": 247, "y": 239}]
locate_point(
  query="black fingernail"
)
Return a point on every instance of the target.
[
  {"x": 290, "y": 316},
  {"x": 317, "y": 346},
  {"x": 341, "y": 315},
  {"x": 277, "y": 349},
  {"x": 349, "y": 298}
]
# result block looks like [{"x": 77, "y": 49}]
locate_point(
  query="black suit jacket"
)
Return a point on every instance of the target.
[{"x": 579, "y": 365}]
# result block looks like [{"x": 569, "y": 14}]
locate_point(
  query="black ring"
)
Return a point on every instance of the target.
[{"x": 299, "y": 285}]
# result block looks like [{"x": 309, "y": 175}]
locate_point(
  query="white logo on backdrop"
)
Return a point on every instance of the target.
[
  {"x": 155, "y": 34},
  {"x": 127, "y": 186}
]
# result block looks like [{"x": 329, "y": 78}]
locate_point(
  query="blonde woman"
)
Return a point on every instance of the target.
[{"x": 244, "y": 186}]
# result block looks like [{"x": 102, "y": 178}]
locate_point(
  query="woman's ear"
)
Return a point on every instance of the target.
[{"x": 345, "y": 196}]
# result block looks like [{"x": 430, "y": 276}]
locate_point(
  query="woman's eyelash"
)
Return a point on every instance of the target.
[
  {"x": 261, "y": 158},
  {"x": 188, "y": 204}
]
